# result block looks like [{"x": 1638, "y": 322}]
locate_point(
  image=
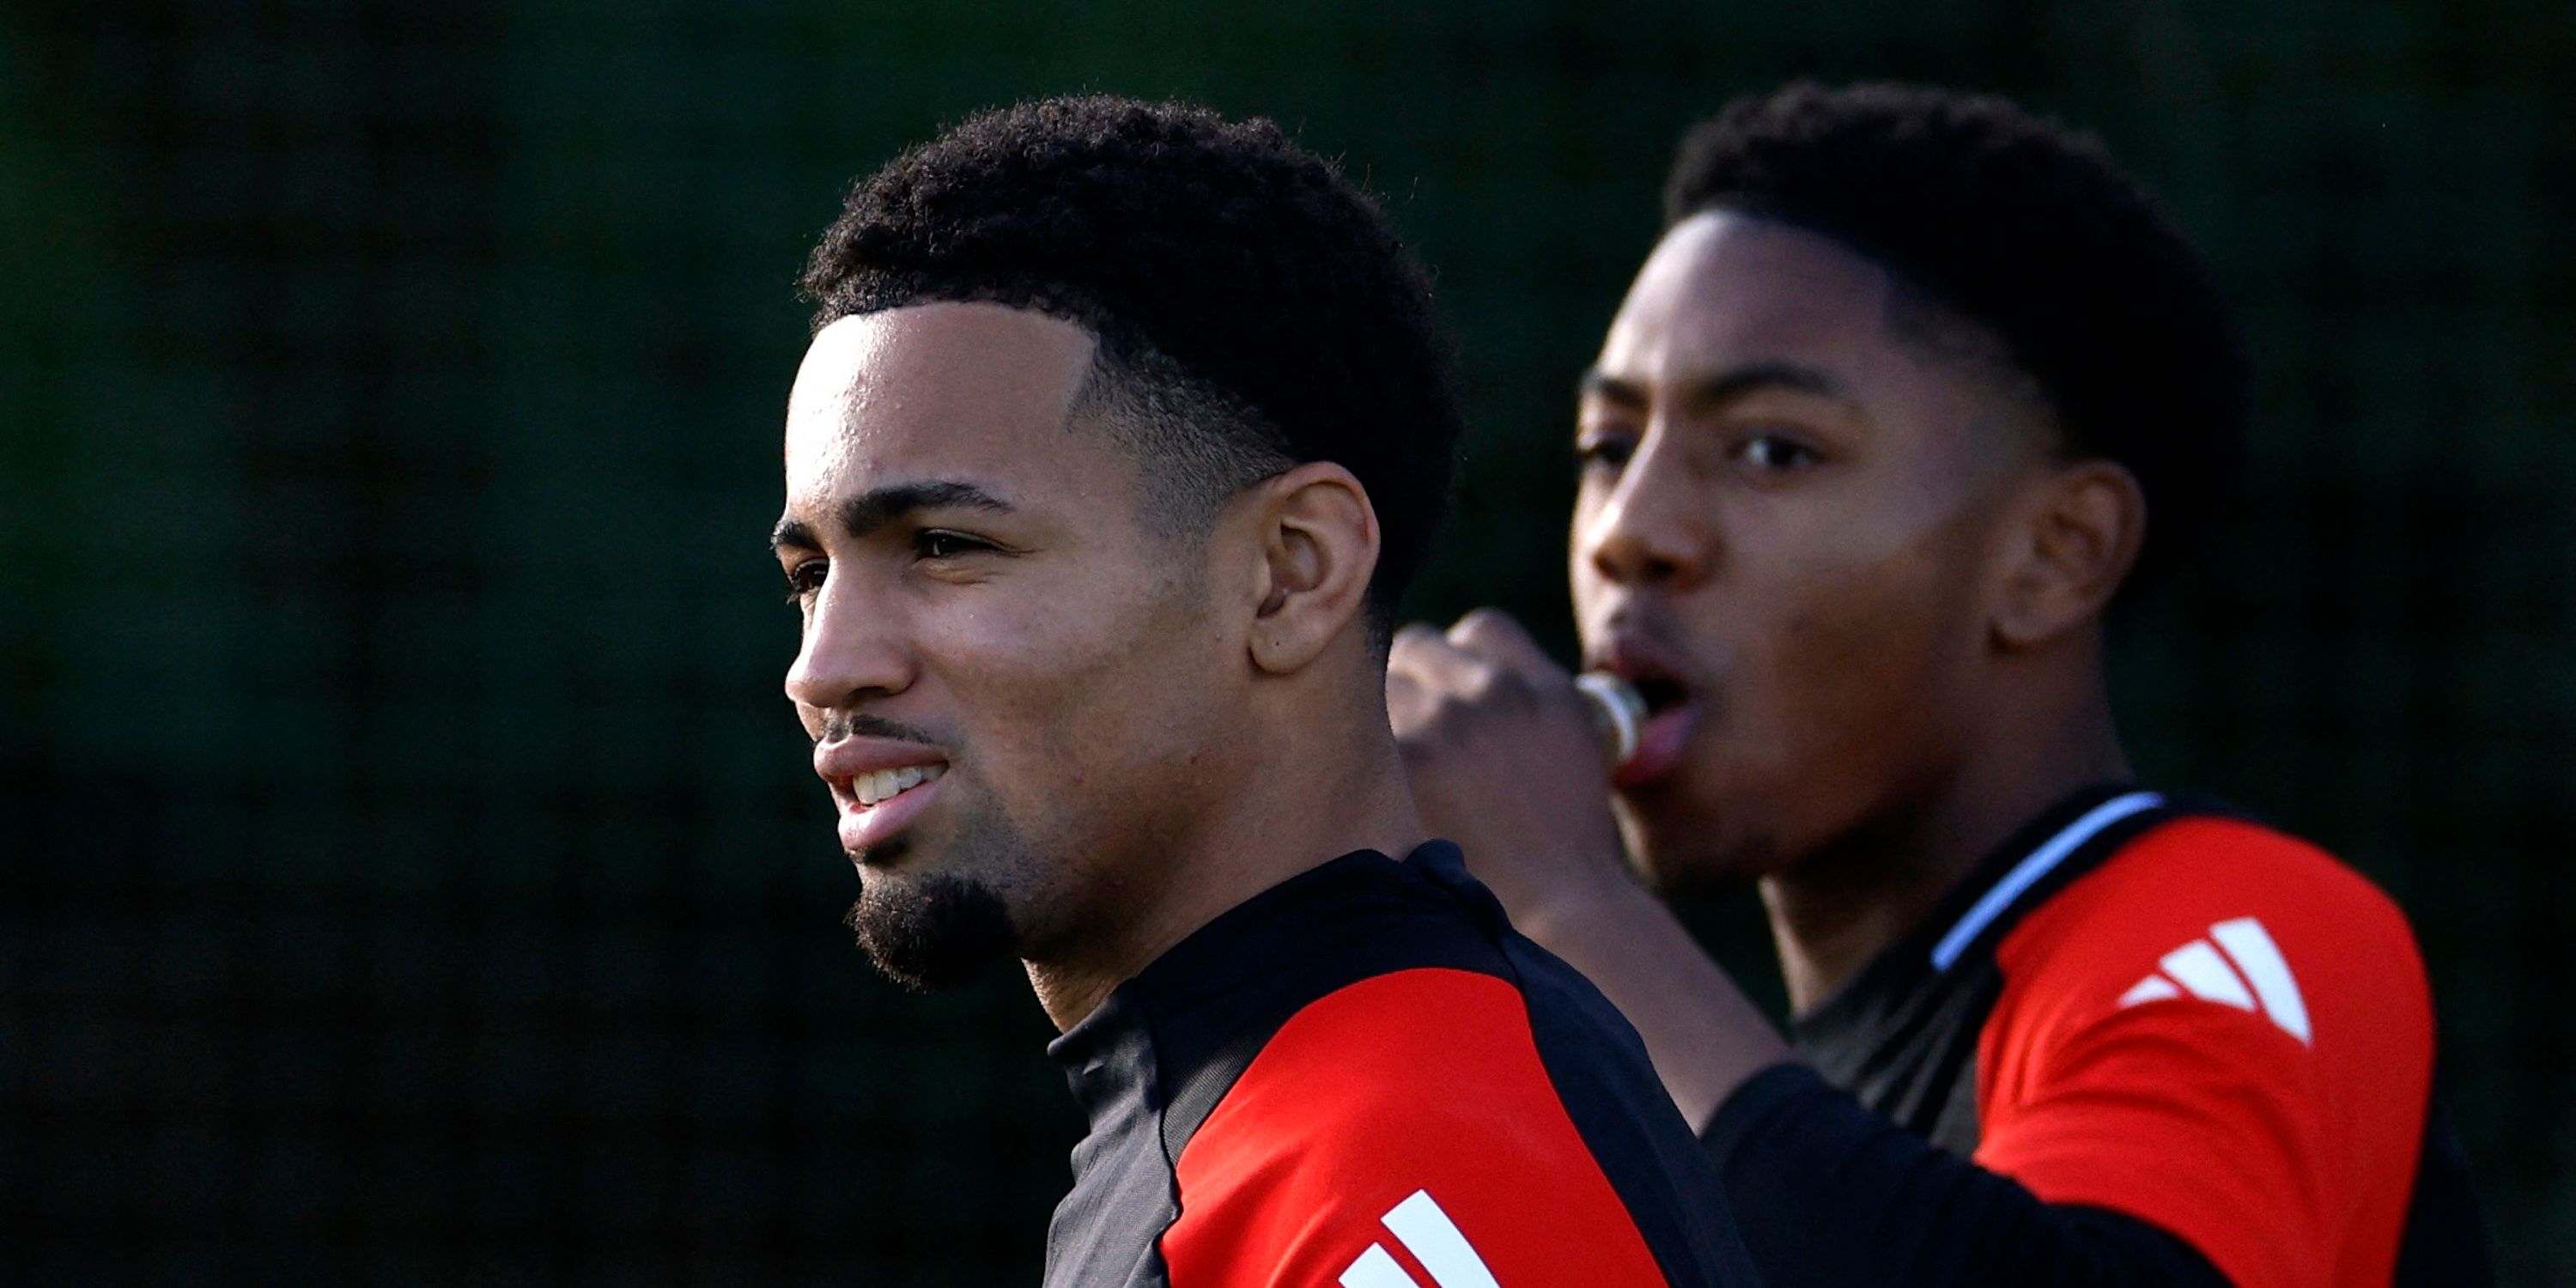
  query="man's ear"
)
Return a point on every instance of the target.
[
  {"x": 2069, "y": 549},
  {"x": 1319, "y": 541}
]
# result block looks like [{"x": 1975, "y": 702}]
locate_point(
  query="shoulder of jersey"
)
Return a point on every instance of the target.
[
  {"x": 2211, "y": 911},
  {"x": 1400, "y": 1132},
  {"x": 1412, "y": 1052}
]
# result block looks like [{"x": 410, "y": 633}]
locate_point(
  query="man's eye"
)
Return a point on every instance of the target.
[
  {"x": 1771, "y": 452},
  {"x": 936, "y": 543},
  {"x": 1603, "y": 453},
  {"x": 806, "y": 578}
]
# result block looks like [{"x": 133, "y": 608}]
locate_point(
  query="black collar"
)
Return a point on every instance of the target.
[
  {"x": 1214, "y": 998},
  {"x": 2038, "y": 857}
]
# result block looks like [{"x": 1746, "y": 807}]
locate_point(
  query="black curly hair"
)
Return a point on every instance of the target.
[
  {"x": 1254, "y": 309},
  {"x": 2028, "y": 230}
]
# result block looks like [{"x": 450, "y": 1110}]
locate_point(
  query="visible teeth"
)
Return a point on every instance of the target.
[{"x": 884, "y": 784}]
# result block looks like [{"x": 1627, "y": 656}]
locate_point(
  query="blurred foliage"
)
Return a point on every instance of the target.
[{"x": 410, "y": 868}]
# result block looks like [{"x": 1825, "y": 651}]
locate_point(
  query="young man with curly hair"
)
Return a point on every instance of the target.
[
  {"x": 1912, "y": 387},
  {"x": 1122, "y": 428}
]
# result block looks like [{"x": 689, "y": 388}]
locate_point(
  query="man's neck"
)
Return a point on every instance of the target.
[
  {"x": 1841, "y": 906},
  {"x": 1312, "y": 797}
]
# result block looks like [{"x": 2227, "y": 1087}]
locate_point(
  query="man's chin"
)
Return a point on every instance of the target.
[
  {"x": 1685, "y": 862},
  {"x": 933, "y": 932}
]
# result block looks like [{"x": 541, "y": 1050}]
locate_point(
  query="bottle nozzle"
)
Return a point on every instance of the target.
[{"x": 1617, "y": 710}]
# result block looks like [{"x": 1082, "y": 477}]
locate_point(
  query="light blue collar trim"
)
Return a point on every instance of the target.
[{"x": 2027, "y": 872}]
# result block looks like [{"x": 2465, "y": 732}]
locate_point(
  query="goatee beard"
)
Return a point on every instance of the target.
[{"x": 934, "y": 933}]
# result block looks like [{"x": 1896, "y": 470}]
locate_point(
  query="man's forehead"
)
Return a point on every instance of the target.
[
  {"x": 1723, "y": 287},
  {"x": 957, "y": 354},
  {"x": 943, "y": 383}
]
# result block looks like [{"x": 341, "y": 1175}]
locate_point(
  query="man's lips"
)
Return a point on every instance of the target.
[
  {"x": 1660, "y": 741},
  {"x": 1673, "y": 703},
  {"x": 838, "y": 760},
  {"x": 879, "y": 784},
  {"x": 867, "y": 827}
]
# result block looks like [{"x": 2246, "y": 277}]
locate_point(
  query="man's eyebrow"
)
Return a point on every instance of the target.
[
  {"x": 1597, "y": 383},
  {"x": 1725, "y": 386},
  {"x": 792, "y": 534},
  {"x": 871, "y": 511}
]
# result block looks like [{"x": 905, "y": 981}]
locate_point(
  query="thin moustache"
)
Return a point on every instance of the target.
[
  {"x": 858, "y": 724},
  {"x": 850, "y": 745},
  {"x": 1629, "y": 646}
]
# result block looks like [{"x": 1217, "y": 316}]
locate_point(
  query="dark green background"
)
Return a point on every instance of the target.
[{"x": 411, "y": 871}]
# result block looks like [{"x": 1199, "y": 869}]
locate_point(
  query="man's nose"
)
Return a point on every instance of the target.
[
  {"x": 852, "y": 650},
  {"x": 1657, "y": 527}
]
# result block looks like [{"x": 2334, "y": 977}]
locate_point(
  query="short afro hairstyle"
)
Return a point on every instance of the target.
[
  {"x": 1254, "y": 309},
  {"x": 2026, "y": 229}
]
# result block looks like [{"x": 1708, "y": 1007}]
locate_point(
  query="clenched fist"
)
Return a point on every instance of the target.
[{"x": 1504, "y": 759}]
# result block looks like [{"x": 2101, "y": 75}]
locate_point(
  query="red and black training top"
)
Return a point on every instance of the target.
[
  {"x": 1363, "y": 1077},
  {"x": 2149, "y": 1042}
]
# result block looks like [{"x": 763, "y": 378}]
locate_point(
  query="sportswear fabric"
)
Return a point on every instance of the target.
[
  {"x": 2148, "y": 1042},
  {"x": 1365, "y": 1077}
]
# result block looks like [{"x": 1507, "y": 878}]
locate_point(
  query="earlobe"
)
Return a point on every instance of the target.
[
  {"x": 2070, "y": 551},
  {"x": 1319, "y": 545}
]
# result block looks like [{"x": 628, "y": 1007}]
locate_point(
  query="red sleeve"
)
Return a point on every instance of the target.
[
  {"x": 2228, "y": 1034},
  {"x": 1400, "y": 1131}
]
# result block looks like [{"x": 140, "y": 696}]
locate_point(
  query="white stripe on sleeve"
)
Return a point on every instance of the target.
[{"x": 1436, "y": 1242}]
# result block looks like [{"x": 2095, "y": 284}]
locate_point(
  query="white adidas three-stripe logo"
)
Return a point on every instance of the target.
[
  {"x": 2244, "y": 955},
  {"x": 1434, "y": 1240}
]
